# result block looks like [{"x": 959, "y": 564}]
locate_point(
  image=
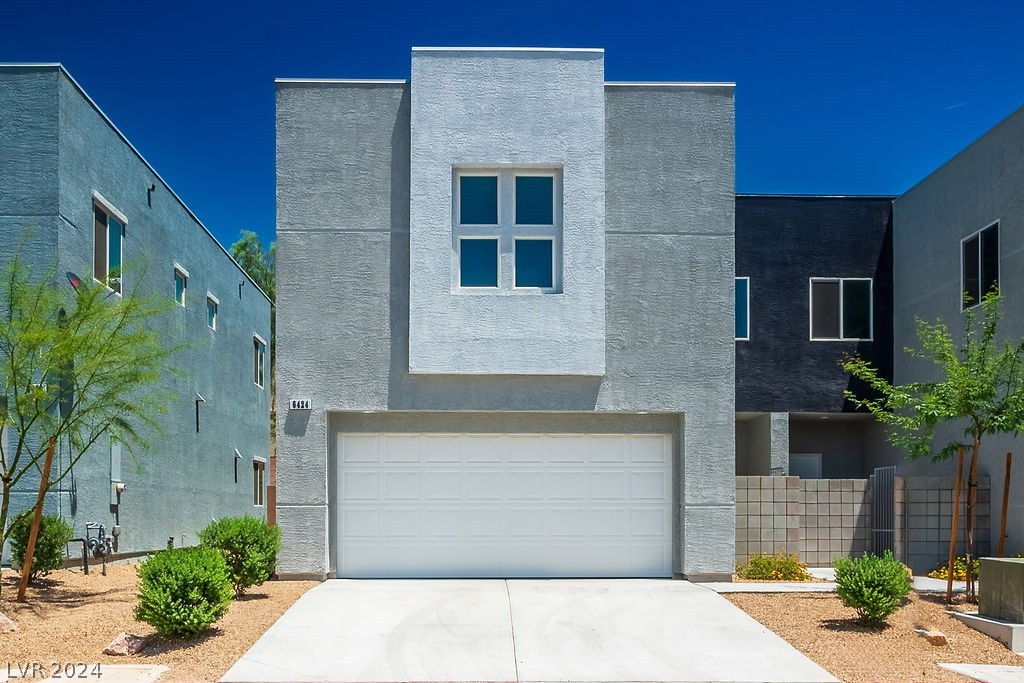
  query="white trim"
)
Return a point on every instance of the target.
[
  {"x": 107, "y": 206},
  {"x": 999, "y": 261},
  {"x": 257, "y": 458},
  {"x": 350, "y": 81},
  {"x": 841, "y": 280},
  {"x": 458, "y": 196},
  {"x": 539, "y": 173},
  {"x": 259, "y": 338},
  {"x": 497, "y": 258},
  {"x": 668, "y": 84},
  {"x": 181, "y": 269},
  {"x": 534, "y": 238},
  {"x": 747, "y": 279},
  {"x": 595, "y": 50},
  {"x": 212, "y": 298}
]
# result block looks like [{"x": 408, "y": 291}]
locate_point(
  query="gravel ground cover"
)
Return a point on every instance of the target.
[
  {"x": 71, "y": 617},
  {"x": 820, "y": 626}
]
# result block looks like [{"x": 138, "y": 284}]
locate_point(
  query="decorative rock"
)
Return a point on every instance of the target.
[
  {"x": 6, "y": 625},
  {"x": 125, "y": 644},
  {"x": 933, "y": 637}
]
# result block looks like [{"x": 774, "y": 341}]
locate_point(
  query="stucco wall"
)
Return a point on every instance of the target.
[
  {"x": 978, "y": 186},
  {"x": 343, "y": 291},
  {"x": 184, "y": 478}
]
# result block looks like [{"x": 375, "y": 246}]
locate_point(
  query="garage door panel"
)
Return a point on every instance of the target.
[{"x": 506, "y": 505}]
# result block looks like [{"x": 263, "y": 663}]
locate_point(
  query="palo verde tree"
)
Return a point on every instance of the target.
[
  {"x": 75, "y": 364},
  {"x": 980, "y": 390}
]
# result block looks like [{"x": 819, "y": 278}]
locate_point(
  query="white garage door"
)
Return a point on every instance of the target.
[{"x": 504, "y": 505}]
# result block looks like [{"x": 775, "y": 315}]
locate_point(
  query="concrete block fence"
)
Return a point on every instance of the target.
[{"x": 822, "y": 519}]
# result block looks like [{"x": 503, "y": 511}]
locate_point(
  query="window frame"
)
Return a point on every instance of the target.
[
  {"x": 100, "y": 204},
  {"x": 259, "y": 489},
  {"x": 977, "y": 234},
  {"x": 259, "y": 358},
  {"x": 746, "y": 278},
  {"x": 211, "y": 299},
  {"x": 841, "y": 280},
  {"x": 180, "y": 272},
  {"x": 507, "y": 231}
]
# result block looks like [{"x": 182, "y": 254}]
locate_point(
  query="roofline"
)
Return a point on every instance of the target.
[
  {"x": 346, "y": 81},
  {"x": 669, "y": 84},
  {"x": 814, "y": 196},
  {"x": 60, "y": 67},
  {"x": 595, "y": 50},
  {"x": 964, "y": 149}
]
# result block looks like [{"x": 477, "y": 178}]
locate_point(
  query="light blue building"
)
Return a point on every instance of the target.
[{"x": 75, "y": 193}]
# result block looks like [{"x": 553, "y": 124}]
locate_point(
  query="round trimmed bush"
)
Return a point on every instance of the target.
[
  {"x": 182, "y": 592},
  {"x": 51, "y": 542},
  {"x": 249, "y": 545},
  {"x": 874, "y": 586}
]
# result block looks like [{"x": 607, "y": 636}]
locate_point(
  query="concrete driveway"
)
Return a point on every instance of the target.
[{"x": 519, "y": 630}]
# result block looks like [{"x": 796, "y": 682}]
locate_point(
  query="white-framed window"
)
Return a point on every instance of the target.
[
  {"x": 259, "y": 466},
  {"x": 742, "y": 309},
  {"x": 212, "y": 304},
  {"x": 108, "y": 235},
  {"x": 507, "y": 230},
  {"x": 979, "y": 265},
  {"x": 259, "y": 356},
  {"x": 841, "y": 309},
  {"x": 180, "y": 283}
]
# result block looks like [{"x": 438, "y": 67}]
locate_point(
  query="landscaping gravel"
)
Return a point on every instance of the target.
[
  {"x": 71, "y": 617},
  {"x": 821, "y": 627}
]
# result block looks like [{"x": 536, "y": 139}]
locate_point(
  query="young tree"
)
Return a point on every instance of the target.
[
  {"x": 75, "y": 364},
  {"x": 981, "y": 390}
]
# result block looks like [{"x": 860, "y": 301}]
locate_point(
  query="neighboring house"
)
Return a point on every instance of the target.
[
  {"x": 77, "y": 195},
  {"x": 505, "y": 292},
  {"x": 813, "y": 286},
  {"x": 961, "y": 229}
]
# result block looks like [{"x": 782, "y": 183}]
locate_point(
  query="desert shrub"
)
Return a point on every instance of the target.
[
  {"x": 874, "y": 586},
  {"x": 777, "y": 567},
  {"x": 959, "y": 569},
  {"x": 51, "y": 542},
  {"x": 183, "y": 592},
  {"x": 249, "y": 546}
]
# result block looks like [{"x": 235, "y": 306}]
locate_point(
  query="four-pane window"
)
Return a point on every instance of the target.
[{"x": 507, "y": 232}]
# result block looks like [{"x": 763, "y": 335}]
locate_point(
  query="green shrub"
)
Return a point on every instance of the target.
[
  {"x": 183, "y": 591},
  {"x": 249, "y": 546},
  {"x": 51, "y": 542},
  {"x": 874, "y": 586},
  {"x": 777, "y": 567}
]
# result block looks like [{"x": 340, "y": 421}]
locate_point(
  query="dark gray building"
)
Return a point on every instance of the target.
[
  {"x": 78, "y": 196},
  {"x": 505, "y": 293}
]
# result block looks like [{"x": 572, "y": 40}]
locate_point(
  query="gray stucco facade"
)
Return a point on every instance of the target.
[
  {"x": 370, "y": 327},
  {"x": 60, "y": 157},
  {"x": 978, "y": 187}
]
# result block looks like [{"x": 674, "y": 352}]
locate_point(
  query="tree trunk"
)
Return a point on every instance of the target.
[
  {"x": 5, "y": 507},
  {"x": 972, "y": 496}
]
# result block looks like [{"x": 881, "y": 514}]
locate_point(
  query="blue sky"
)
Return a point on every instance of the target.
[{"x": 832, "y": 97}]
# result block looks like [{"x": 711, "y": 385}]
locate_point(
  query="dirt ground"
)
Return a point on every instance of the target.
[
  {"x": 820, "y": 626},
  {"x": 71, "y": 617}
]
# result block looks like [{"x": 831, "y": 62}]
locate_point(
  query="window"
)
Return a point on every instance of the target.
[
  {"x": 180, "y": 284},
  {"x": 841, "y": 308},
  {"x": 258, "y": 468},
  {"x": 259, "y": 354},
  {"x": 979, "y": 266},
  {"x": 507, "y": 231},
  {"x": 108, "y": 232},
  {"x": 212, "y": 303},
  {"x": 742, "y": 308}
]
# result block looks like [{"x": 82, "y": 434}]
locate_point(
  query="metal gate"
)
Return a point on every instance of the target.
[{"x": 883, "y": 497}]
